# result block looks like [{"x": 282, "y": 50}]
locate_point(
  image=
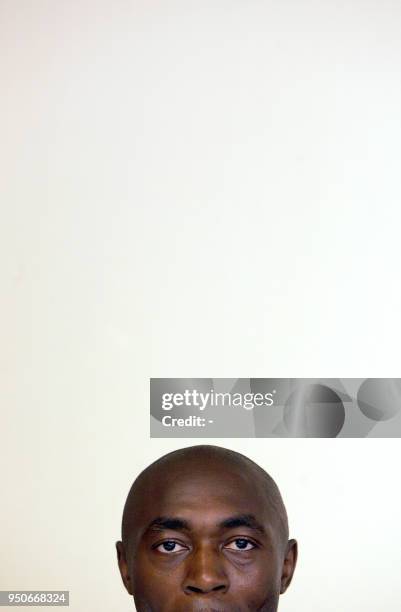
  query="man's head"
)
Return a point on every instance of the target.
[{"x": 205, "y": 530}]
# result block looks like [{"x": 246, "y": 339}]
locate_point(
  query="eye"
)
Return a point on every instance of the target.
[
  {"x": 170, "y": 546},
  {"x": 240, "y": 544}
]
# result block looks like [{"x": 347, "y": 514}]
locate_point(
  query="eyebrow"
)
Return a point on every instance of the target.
[
  {"x": 168, "y": 522},
  {"x": 178, "y": 524},
  {"x": 243, "y": 520}
]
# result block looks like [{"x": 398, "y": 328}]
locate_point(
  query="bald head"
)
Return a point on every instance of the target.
[
  {"x": 205, "y": 529},
  {"x": 200, "y": 463}
]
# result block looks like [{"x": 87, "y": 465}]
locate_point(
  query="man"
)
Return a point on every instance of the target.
[{"x": 205, "y": 530}]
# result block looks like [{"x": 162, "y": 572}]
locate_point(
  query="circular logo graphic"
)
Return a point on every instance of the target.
[
  {"x": 379, "y": 399},
  {"x": 314, "y": 411}
]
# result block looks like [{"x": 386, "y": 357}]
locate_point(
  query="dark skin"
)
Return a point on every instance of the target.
[{"x": 201, "y": 536}]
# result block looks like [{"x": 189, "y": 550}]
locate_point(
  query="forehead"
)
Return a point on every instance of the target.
[{"x": 202, "y": 493}]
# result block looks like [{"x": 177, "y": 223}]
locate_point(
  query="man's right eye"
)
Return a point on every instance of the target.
[{"x": 170, "y": 546}]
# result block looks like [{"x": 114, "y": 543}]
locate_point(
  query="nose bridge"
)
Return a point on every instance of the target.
[{"x": 205, "y": 570}]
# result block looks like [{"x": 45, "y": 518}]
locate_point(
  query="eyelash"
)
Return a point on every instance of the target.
[{"x": 184, "y": 547}]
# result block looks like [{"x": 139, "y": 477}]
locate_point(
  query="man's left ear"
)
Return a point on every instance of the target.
[{"x": 289, "y": 564}]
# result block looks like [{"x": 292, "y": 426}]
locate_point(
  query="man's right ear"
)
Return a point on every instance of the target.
[{"x": 123, "y": 566}]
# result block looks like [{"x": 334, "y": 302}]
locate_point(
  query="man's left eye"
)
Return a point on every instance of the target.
[{"x": 240, "y": 544}]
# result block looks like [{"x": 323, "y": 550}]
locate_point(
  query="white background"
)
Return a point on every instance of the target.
[{"x": 195, "y": 189}]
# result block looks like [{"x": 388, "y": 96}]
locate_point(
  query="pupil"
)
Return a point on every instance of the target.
[
  {"x": 169, "y": 546},
  {"x": 241, "y": 543}
]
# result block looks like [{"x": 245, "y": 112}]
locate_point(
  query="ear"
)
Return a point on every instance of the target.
[
  {"x": 123, "y": 566},
  {"x": 289, "y": 564}
]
